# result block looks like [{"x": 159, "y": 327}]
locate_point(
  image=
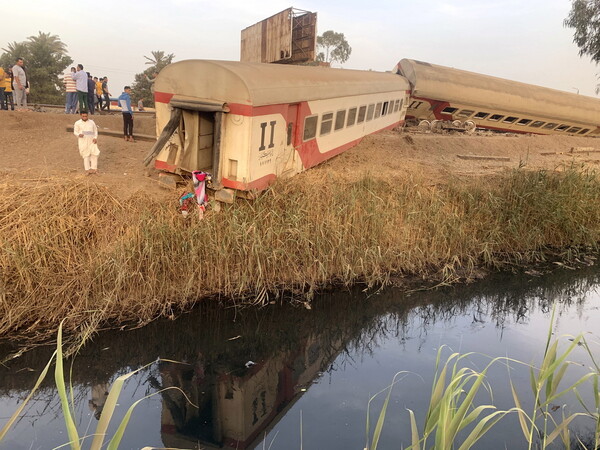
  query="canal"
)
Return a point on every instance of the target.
[{"x": 291, "y": 377}]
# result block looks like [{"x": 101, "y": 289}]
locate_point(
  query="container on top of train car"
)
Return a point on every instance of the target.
[
  {"x": 446, "y": 94},
  {"x": 250, "y": 123}
]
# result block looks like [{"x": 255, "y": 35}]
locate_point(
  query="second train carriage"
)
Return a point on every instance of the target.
[
  {"x": 249, "y": 123},
  {"x": 446, "y": 94}
]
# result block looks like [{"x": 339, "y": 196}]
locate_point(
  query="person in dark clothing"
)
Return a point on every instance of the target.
[
  {"x": 125, "y": 104},
  {"x": 91, "y": 93},
  {"x": 106, "y": 94}
]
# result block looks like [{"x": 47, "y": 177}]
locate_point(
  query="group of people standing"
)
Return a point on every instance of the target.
[
  {"x": 85, "y": 93},
  {"x": 14, "y": 86}
]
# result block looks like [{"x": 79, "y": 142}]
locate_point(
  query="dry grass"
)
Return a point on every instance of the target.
[{"x": 68, "y": 250}]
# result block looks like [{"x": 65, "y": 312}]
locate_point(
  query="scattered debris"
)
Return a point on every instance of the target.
[
  {"x": 250, "y": 364},
  {"x": 484, "y": 158}
]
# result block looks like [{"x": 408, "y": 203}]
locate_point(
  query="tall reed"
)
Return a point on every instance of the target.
[
  {"x": 69, "y": 250},
  {"x": 454, "y": 419}
]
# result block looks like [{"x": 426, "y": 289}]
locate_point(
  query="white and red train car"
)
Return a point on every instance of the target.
[
  {"x": 248, "y": 124},
  {"x": 444, "y": 94}
]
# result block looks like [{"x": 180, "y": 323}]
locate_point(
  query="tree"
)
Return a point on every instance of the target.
[
  {"x": 335, "y": 47},
  {"x": 142, "y": 87},
  {"x": 584, "y": 18},
  {"x": 46, "y": 58}
]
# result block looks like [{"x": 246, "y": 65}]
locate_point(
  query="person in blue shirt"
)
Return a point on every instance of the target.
[{"x": 127, "y": 110}]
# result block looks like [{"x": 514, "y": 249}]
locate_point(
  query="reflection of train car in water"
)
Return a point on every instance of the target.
[
  {"x": 445, "y": 94},
  {"x": 236, "y": 408},
  {"x": 248, "y": 124}
]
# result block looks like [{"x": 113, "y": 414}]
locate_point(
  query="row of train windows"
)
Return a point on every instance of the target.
[
  {"x": 467, "y": 113},
  {"x": 348, "y": 118}
]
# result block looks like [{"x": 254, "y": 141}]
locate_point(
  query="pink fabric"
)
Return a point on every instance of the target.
[{"x": 200, "y": 179}]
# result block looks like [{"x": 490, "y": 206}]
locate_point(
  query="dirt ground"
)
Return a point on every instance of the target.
[{"x": 36, "y": 144}]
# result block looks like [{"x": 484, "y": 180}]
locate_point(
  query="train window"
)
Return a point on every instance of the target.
[
  {"x": 377, "y": 110},
  {"x": 510, "y": 119},
  {"x": 390, "y": 107},
  {"x": 496, "y": 117},
  {"x": 585, "y": 130},
  {"x": 537, "y": 124},
  {"x": 340, "y": 119},
  {"x": 481, "y": 115},
  {"x": 524, "y": 122},
  {"x": 550, "y": 126},
  {"x": 385, "y": 111},
  {"x": 290, "y": 132},
  {"x": 449, "y": 110},
  {"x": 310, "y": 127},
  {"x": 562, "y": 127},
  {"x": 362, "y": 112},
  {"x": 351, "y": 117},
  {"x": 574, "y": 130},
  {"x": 326, "y": 123},
  {"x": 401, "y": 102},
  {"x": 370, "y": 112},
  {"x": 415, "y": 104},
  {"x": 396, "y": 105},
  {"x": 466, "y": 113}
]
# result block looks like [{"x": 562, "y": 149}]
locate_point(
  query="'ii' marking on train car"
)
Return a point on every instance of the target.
[{"x": 263, "y": 130}]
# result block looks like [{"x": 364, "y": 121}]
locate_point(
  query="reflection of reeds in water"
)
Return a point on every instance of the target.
[{"x": 70, "y": 250}]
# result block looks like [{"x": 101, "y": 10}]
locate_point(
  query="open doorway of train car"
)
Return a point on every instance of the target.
[
  {"x": 197, "y": 136},
  {"x": 189, "y": 141}
]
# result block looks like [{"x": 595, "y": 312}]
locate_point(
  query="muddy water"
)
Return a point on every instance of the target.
[{"x": 290, "y": 377}]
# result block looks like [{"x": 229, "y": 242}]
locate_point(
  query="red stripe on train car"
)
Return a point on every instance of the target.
[
  {"x": 253, "y": 111},
  {"x": 311, "y": 155},
  {"x": 258, "y": 184},
  {"x": 163, "y": 165},
  {"x": 162, "y": 97}
]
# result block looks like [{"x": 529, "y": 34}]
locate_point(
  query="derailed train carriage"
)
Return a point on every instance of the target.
[
  {"x": 445, "y": 95},
  {"x": 248, "y": 123}
]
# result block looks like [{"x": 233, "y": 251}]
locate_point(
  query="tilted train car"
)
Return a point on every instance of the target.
[
  {"x": 249, "y": 123},
  {"x": 445, "y": 94}
]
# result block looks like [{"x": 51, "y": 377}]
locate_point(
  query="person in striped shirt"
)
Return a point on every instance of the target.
[{"x": 71, "y": 90}]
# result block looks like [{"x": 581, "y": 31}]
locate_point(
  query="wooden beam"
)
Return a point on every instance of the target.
[
  {"x": 484, "y": 158},
  {"x": 139, "y": 137}
]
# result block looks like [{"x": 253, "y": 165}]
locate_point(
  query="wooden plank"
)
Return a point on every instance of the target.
[
  {"x": 583, "y": 149},
  {"x": 484, "y": 158},
  {"x": 139, "y": 137}
]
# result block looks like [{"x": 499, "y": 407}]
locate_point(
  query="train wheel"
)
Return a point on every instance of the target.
[
  {"x": 457, "y": 124},
  {"x": 470, "y": 126},
  {"x": 424, "y": 125},
  {"x": 436, "y": 126}
]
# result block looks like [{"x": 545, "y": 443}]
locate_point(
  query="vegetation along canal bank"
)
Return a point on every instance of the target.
[{"x": 398, "y": 207}]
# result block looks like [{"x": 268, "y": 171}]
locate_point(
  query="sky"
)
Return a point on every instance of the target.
[{"x": 522, "y": 40}]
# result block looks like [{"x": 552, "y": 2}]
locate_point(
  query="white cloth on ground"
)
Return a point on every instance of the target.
[{"x": 86, "y": 143}]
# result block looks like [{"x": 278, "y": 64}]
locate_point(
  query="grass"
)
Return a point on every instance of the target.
[
  {"x": 70, "y": 251},
  {"x": 455, "y": 420}
]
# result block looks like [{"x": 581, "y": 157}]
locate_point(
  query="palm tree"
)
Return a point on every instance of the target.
[
  {"x": 13, "y": 51},
  {"x": 159, "y": 60},
  {"x": 51, "y": 43}
]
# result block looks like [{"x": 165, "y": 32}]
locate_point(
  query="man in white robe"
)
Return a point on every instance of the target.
[{"x": 87, "y": 132}]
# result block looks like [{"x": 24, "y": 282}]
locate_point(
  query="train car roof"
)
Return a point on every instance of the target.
[
  {"x": 487, "y": 93},
  {"x": 269, "y": 84}
]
